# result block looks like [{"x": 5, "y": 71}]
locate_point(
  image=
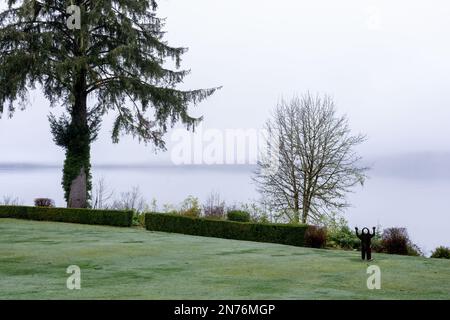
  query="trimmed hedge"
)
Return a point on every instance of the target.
[
  {"x": 83, "y": 216},
  {"x": 275, "y": 233}
]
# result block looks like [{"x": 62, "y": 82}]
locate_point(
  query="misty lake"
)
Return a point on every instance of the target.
[{"x": 419, "y": 204}]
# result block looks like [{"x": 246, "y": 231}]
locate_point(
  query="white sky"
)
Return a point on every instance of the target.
[{"x": 386, "y": 63}]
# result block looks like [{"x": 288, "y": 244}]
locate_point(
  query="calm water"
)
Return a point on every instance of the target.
[{"x": 420, "y": 205}]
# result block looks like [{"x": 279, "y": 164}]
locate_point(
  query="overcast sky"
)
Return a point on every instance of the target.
[{"x": 386, "y": 63}]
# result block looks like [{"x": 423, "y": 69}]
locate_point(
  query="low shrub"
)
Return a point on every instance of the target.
[
  {"x": 396, "y": 241},
  {"x": 441, "y": 253},
  {"x": 190, "y": 207},
  {"x": 138, "y": 219},
  {"x": 316, "y": 237},
  {"x": 343, "y": 238},
  {"x": 274, "y": 233},
  {"x": 191, "y": 212},
  {"x": 214, "y": 208},
  {"x": 258, "y": 213},
  {"x": 238, "y": 215},
  {"x": 216, "y": 212},
  {"x": 83, "y": 216},
  {"x": 414, "y": 250},
  {"x": 44, "y": 202},
  {"x": 377, "y": 245}
]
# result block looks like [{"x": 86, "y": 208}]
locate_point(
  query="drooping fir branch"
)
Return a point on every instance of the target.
[
  {"x": 118, "y": 57},
  {"x": 119, "y": 46}
]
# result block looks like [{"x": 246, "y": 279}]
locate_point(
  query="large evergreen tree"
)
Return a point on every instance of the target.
[{"x": 117, "y": 56}]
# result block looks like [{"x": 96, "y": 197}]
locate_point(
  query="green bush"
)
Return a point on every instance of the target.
[
  {"x": 340, "y": 236},
  {"x": 83, "y": 216},
  {"x": 441, "y": 253},
  {"x": 377, "y": 245},
  {"x": 238, "y": 215},
  {"x": 138, "y": 219},
  {"x": 274, "y": 233},
  {"x": 191, "y": 212},
  {"x": 343, "y": 238},
  {"x": 190, "y": 207}
]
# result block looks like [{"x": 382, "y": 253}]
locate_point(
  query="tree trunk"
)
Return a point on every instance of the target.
[
  {"x": 296, "y": 208},
  {"x": 305, "y": 209},
  {"x": 76, "y": 178},
  {"x": 78, "y": 191}
]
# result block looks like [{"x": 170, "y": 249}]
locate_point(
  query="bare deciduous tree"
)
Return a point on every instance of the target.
[
  {"x": 101, "y": 195},
  {"x": 316, "y": 164},
  {"x": 130, "y": 200},
  {"x": 9, "y": 200}
]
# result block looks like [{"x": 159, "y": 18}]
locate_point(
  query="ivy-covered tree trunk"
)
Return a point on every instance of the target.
[{"x": 76, "y": 172}]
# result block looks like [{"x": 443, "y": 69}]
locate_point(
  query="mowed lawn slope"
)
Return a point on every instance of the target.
[{"x": 131, "y": 263}]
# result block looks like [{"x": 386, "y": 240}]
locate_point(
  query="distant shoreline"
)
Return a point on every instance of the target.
[{"x": 32, "y": 166}]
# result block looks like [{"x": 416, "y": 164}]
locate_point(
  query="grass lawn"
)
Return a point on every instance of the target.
[{"x": 132, "y": 263}]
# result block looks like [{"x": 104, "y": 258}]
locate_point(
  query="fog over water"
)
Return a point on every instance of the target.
[
  {"x": 385, "y": 63},
  {"x": 410, "y": 193}
]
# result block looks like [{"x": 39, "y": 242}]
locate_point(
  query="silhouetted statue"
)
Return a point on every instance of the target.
[{"x": 366, "y": 238}]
